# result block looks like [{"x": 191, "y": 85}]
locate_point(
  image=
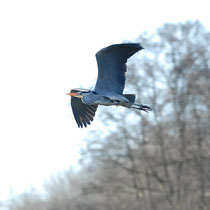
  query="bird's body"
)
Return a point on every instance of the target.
[
  {"x": 110, "y": 84},
  {"x": 107, "y": 100}
]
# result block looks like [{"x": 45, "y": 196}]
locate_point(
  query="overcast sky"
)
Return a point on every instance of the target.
[{"x": 48, "y": 47}]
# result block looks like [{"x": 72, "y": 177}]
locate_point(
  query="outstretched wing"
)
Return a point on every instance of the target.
[
  {"x": 112, "y": 66},
  {"x": 83, "y": 113}
]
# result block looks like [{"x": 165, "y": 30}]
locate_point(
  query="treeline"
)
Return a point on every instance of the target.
[{"x": 155, "y": 161}]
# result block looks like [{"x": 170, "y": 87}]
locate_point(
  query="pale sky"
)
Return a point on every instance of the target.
[{"x": 48, "y": 47}]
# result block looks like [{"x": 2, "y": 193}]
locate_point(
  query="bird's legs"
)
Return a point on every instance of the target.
[{"x": 142, "y": 107}]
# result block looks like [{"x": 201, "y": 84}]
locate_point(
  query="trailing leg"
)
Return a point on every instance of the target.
[{"x": 142, "y": 107}]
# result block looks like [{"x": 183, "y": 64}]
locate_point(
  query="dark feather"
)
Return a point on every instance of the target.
[
  {"x": 83, "y": 113},
  {"x": 112, "y": 67}
]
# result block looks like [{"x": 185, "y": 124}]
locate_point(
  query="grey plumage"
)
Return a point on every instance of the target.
[
  {"x": 112, "y": 66},
  {"x": 83, "y": 113},
  {"x": 109, "y": 85}
]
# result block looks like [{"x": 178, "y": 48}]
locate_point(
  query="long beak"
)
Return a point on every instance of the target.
[{"x": 73, "y": 94}]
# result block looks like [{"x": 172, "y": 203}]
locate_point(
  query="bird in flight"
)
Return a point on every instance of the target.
[{"x": 109, "y": 86}]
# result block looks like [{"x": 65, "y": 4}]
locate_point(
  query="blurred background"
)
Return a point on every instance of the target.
[{"x": 126, "y": 159}]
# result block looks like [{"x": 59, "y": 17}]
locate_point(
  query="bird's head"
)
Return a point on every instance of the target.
[{"x": 78, "y": 92}]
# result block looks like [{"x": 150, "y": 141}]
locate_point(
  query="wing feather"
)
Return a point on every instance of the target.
[
  {"x": 83, "y": 113},
  {"x": 112, "y": 66}
]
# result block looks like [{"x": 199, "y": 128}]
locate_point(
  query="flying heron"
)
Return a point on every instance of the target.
[{"x": 109, "y": 86}]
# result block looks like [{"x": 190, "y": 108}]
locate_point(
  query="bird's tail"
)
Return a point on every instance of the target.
[
  {"x": 142, "y": 107},
  {"x": 130, "y": 97}
]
